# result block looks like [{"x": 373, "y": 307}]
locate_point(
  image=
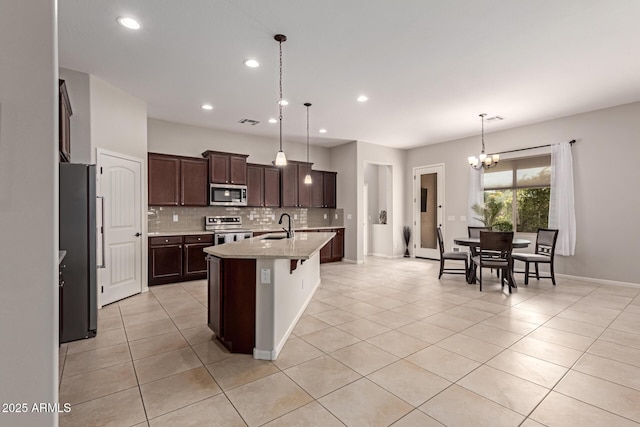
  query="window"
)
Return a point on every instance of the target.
[{"x": 517, "y": 192}]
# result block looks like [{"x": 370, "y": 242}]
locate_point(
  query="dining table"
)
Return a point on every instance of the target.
[{"x": 473, "y": 243}]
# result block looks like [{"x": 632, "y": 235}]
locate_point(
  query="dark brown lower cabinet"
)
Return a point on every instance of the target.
[
  {"x": 232, "y": 302},
  {"x": 334, "y": 250},
  {"x": 178, "y": 258}
]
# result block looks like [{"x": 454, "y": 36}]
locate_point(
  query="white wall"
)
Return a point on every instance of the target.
[
  {"x": 343, "y": 159},
  {"x": 78, "y": 87},
  {"x": 28, "y": 209},
  {"x": 177, "y": 138},
  {"x": 606, "y": 174}
]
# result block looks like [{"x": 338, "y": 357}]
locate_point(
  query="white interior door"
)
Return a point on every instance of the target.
[
  {"x": 365, "y": 224},
  {"x": 428, "y": 203},
  {"x": 119, "y": 180}
]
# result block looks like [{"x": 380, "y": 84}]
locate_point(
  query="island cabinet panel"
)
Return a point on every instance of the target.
[
  {"x": 194, "y": 190},
  {"x": 178, "y": 258},
  {"x": 227, "y": 168},
  {"x": 255, "y": 185},
  {"x": 232, "y": 302},
  {"x": 164, "y": 180},
  {"x": 177, "y": 180},
  {"x": 334, "y": 250}
]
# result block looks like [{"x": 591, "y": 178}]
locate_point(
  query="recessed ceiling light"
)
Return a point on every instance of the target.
[
  {"x": 207, "y": 107},
  {"x": 362, "y": 98},
  {"x": 273, "y": 120},
  {"x": 283, "y": 102},
  {"x": 251, "y": 63},
  {"x": 128, "y": 22},
  {"x": 322, "y": 131}
]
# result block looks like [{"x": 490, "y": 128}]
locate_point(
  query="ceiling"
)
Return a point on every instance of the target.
[{"x": 428, "y": 67}]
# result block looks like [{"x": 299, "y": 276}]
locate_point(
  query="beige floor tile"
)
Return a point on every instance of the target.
[
  {"x": 197, "y": 335},
  {"x": 309, "y": 324},
  {"x": 385, "y": 302},
  {"x": 336, "y": 316},
  {"x": 616, "y": 290},
  {"x": 310, "y": 415},
  {"x": 102, "y": 339},
  {"x": 101, "y": 382},
  {"x": 472, "y": 348},
  {"x": 137, "y": 299},
  {"x": 390, "y": 319},
  {"x": 515, "y": 393},
  {"x": 184, "y": 308},
  {"x": 397, "y": 343},
  {"x": 486, "y": 306},
  {"x": 416, "y": 418},
  {"x": 330, "y": 339},
  {"x": 365, "y": 403},
  {"x": 559, "y": 410},
  {"x": 425, "y": 331},
  {"x": 240, "y": 369},
  {"x": 469, "y": 313},
  {"x": 109, "y": 323},
  {"x": 457, "y": 406},
  {"x": 215, "y": 411},
  {"x": 603, "y": 394},
  {"x": 322, "y": 375},
  {"x": 339, "y": 300},
  {"x": 443, "y": 363},
  {"x": 119, "y": 409},
  {"x": 295, "y": 352},
  {"x": 148, "y": 316},
  {"x": 626, "y": 325},
  {"x": 211, "y": 351},
  {"x": 553, "y": 353},
  {"x": 362, "y": 295},
  {"x": 409, "y": 382},
  {"x": 96, "y": 359},
  {"x": 565, "y": 339},
  {"x": 165, "y": 364},
  {"x": 613, "y": 351},
  {"x": 543, "y": 307},
  {"x": 155, "y": 345},
  {"x": 140, "y": 307},
  {"x": 579, "y": 328},
  {"x": 613, "y": 302},
  {"x": 492, "y": 335},
  {"x": 510, "y": 324},
  {"x": 316, "y": 307},
  {"x": 530, "y": 423},
  {"x": 610, "y": 370},
  {"x": 588, "y": 313},
  {"x": 529, "y": 368},
  {"x": 363, "y": 309},
  {"x": 150, "y": 329},
  {"x": 190, "y": 320},
  {"x": 174, "y": 392},
  {"x": 526, "y": 316},
  {"x": 414, "y": 311},
  {"x": 268, "y": 398},
  {"x": 622, "y": 338},
  {"x": 448, "y": 321},
  {"x": 363, "y": 328},
  {"x": 364, "y": 358}
]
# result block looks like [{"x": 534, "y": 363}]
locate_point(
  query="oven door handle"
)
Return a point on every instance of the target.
[{"x": 104, "y": 263}]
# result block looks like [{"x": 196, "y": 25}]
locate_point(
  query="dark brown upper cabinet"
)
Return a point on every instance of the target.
[
  {"x": 177, "y": 181},
  {"x": 263, "y": 186},
  {"x": 294, "y": 192},
  {"x": 323, "y": 189},
  {"x": 226, "y": 168},
  {"x": 64, "y": 122},
  {"x": 330, "y": 185}
]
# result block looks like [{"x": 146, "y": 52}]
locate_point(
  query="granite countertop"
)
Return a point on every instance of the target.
[
  {"x": 61, "y": 255},
  {"x": 264, "y": 230},
  {"x": 301, "y": 246}
]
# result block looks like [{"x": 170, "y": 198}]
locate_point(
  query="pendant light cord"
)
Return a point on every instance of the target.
[
  {"x": 280, "y": 101},
  {"x": 308, "y": 133},
  {"x": 482, "y": 121}
]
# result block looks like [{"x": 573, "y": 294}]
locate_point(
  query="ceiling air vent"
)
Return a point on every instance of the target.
[
  {"x": 248, "y": 122},
  {"x": 493, "y": 119}
]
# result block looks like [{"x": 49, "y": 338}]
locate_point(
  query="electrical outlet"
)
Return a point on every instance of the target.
[
  {"x": 451, "y": 218},
  {"x": 295, "y": 216},
  {"x": 251, "y": 217},
  {"x": 325, "y": 216},
  {"x": 336, "y": 216},
  {"x": 349, "y": 216},
  {"x": 463, "y": 218},
  {"x": 175, "y": 217}
]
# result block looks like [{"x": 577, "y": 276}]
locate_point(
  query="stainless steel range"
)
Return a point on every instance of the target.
[{"x": 226, "y": 229}]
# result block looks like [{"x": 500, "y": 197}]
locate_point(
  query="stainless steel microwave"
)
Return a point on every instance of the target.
[{"x": 227, "y": 195}]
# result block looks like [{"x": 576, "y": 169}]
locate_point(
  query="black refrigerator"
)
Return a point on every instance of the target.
[{"x": 78, "y": 237}]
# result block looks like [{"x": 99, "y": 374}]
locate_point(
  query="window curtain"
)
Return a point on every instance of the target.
[
  {"x": 476, "y": 196},
  {"x": 562, "y": 213}
]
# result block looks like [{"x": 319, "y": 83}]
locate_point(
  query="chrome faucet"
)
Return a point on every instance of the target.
[{"x": 290, "y": 230}]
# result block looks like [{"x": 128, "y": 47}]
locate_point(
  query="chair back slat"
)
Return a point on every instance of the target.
[{"x": 474, "y": 232}]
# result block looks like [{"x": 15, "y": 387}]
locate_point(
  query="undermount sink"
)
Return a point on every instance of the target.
[{"x": 274, "y": 237}]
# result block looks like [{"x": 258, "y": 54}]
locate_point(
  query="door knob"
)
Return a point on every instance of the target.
[{"x": 138, "y": 234}]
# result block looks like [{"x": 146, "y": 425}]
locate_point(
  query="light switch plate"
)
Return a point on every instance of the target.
[
  {"x": 451, "y": 218},
  {"x": 325, "y": 216},
  {"x": 463, "y": 218},
  {"x": 175, "y": 218},
  {"x": 295, "y": 216},
  {"x": 336, "y": 216},
  {"x": 348, "y": 216},
  {"x": 251, "y": 217},
  {"x": 265, "y": 276}
]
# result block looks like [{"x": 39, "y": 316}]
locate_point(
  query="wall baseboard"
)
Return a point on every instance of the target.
[
  {"x": 351, "y": 261},
  {"x": 600, "y": 281}
]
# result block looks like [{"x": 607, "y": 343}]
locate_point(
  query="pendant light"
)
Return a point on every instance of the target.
[
  {"x": 281, "y": 159},
  {"x": 483, "y": 160},
  {"x": 307, "y": 178}
]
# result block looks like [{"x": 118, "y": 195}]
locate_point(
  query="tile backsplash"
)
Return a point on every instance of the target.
[{"x": 192, "y": 219}]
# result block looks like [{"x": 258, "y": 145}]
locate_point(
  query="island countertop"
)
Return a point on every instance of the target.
[{"x": 301, "y": 246}]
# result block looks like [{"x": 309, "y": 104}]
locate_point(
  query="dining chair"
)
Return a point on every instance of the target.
[
  {"x": 544, "y": 254},
  {"x": 475, "y": 231},
  {"x": 458, "y": 256},
  {"x": 495, "y": 252}
]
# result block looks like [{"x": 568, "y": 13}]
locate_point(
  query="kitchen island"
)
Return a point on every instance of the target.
[{"x": 259, "y": 288}]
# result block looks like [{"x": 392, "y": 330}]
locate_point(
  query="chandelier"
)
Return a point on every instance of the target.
[
  {"x": 483, "y": 160},
  {"x": 281, "y": 159}
]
